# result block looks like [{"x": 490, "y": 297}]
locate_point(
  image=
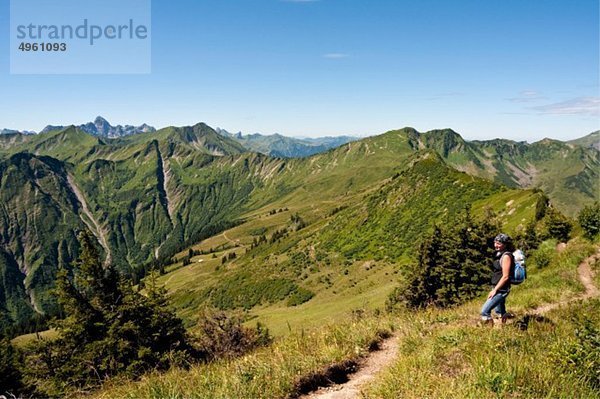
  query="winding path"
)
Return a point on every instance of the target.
[
  {"x": 383, "y": 358},
  {"x": 586, "y": 276},
  {"x": 236, "y": 243},
  {"x": 367, "y": 370}
]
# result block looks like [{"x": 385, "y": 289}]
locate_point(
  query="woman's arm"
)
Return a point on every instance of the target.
[{"x": 505, "y": 275}]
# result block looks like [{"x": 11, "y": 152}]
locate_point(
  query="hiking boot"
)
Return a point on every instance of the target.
[
  {"x": 486, "y": 323},
  {"x": 507, "y": 316}
]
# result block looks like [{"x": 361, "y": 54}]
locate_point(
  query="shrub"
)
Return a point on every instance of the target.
[
  {"x": 259, "y": 231},
  {"x": 556, "y": 225},
  {"x": 527, "y": 239},
  {"x": 300, "y": 296},
  {"x": 589, "y": 220},
  {"x": 224, "y": 336},
  {"x": 541, "y": 206},
  {"x": 542, "y": 257},
  {"x": 246, "y": 291}
]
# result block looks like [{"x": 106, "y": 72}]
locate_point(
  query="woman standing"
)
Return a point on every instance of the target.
[{"x": 503, "y": 267}]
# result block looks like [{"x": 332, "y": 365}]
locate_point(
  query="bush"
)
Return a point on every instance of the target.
[
  {"x": 589, "y": 220},
  {"x": 542, "y": 257},
  {"x": 245, "y": 290},
  {"x": 556, "y": 225},
  {"x": 541, "y": 206},
  {"x": 527, "y": 239},
  {"x": 224, "y": 336},
  {"x": 300, "y": 296}
]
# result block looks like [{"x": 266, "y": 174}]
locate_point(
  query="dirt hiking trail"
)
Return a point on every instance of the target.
[
  {"x": 377, "y": 361},
  {"x": 367, "y": 370},
  {"x": 586, "y": 276}
]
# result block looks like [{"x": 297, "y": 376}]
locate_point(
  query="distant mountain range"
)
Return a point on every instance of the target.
[
  {"x": 274, "y": 145},
  {"x": 101, "y": 128},
  {"x": 280, "y": 146},
  {"x": 11, "y": 131}
]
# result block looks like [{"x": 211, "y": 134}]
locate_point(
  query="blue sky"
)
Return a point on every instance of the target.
[{"x": 518, "y": 69}]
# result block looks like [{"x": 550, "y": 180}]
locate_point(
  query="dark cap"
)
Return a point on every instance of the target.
[{"x": 503, "y": 238}]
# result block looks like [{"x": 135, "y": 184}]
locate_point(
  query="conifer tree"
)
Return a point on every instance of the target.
[
  {"x": 109, "y": 329},
  {"x": 453, "y": 264},
  {"x": 528, "y": 239},
  {"x": 10, "y": 375},
  {"x": 541, "y": 206},
  {"x": 556, "y": 225},
  {"x": 424, "y": 281}
]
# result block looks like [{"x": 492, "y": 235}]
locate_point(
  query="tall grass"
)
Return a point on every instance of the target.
[
  {"x": 273, "y": 372},
  {"x": 474, "y": 362}
]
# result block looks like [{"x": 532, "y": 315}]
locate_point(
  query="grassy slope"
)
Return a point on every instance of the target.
[
  {"x": 442, "y": 352},
  {"x": 591, "y": 140},
  {"x": 323, "y": 257}
]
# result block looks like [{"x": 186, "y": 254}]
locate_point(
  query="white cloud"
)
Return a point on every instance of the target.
[
  {"x": 335, "y": 55},
  {"x": 527, "y": 96},
  {"x": 576, "y": 106}
]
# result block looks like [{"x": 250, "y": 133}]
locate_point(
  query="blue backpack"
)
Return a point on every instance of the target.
[{"x": 520, "y": 273}]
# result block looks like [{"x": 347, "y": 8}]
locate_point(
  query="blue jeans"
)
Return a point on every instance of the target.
[{"x": 496, "y": 302}]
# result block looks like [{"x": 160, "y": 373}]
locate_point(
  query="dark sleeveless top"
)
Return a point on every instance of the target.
[{"x": 497, "y": 275}]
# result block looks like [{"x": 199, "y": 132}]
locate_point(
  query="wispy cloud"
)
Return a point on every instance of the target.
[
  {"x": 576, "y": 106},
  {"x": 336, "y": 55},
  {"x": 527, "y": 96},
  {"x": 441, "y": 96}
]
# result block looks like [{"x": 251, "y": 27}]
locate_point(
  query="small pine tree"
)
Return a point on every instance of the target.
[
  {"x": 556, "y": 225},
  {"x": 541, "y": 206},
  {"x": 527, "y": 239}
]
